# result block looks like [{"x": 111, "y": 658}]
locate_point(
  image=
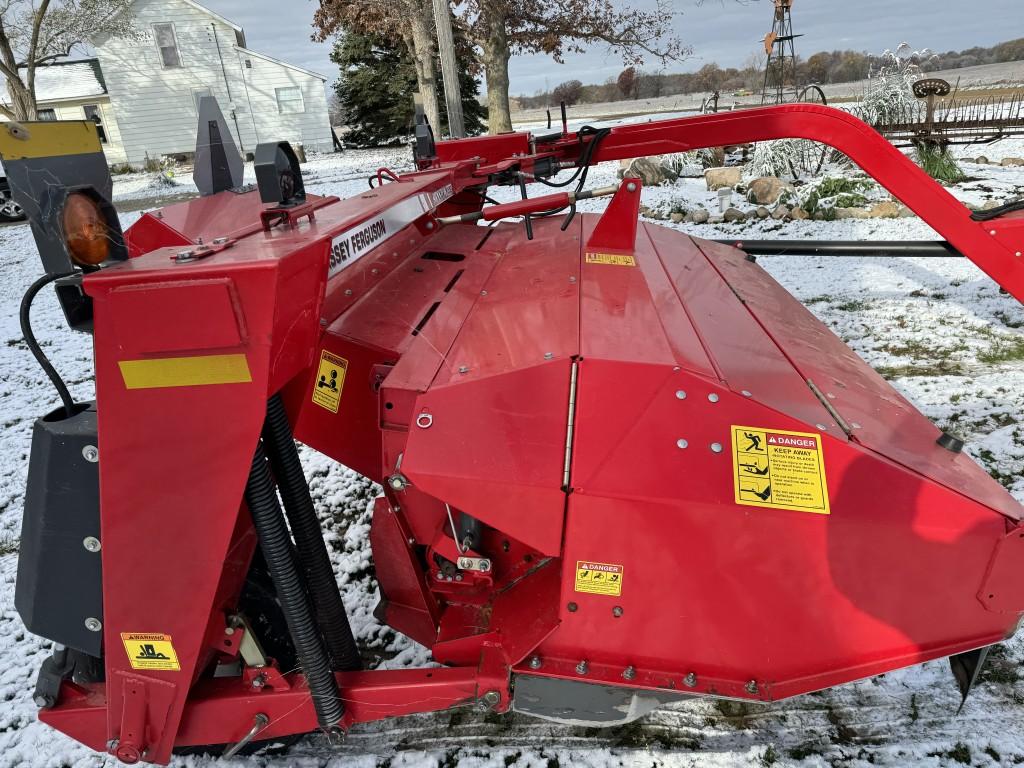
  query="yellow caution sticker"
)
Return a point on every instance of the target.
[
  {"x": 599, "y": 578},
  {"x": 778, "y": 469},
  {"x": 330, "y": 378},
  {"x": 616, "y": 259},
  {"x": 150, "y": 651}
]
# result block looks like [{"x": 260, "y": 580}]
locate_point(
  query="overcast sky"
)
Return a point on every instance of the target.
[{"x": 722, "y": 31}]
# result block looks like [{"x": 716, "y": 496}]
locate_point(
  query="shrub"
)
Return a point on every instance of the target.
[{"x": 938, "y": 163}]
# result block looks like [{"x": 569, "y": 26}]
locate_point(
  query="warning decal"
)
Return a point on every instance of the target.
[
  {"x": 330, "y": 378},
  {"x": 150, "y": 651},
  {"x": 779, "y": 470},
  {"x": 599, "y": 578},
  {"x": 618, "y": 259}
]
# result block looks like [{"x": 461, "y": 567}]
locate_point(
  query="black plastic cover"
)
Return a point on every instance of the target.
[{"x": 59, "y": 583}]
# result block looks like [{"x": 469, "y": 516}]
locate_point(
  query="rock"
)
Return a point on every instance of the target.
[
  {"x": 780, "y": 212},
  {"x": 1008, "y": 161},
  {"x": 699, "y": 216},
  {"x": 799, "y": 213},
  {"x": 762, "y": 213},
  {"x": 851, "y": 213},
  {"x": 716, "y": 219},
  {"x": 647, "y": 169},
  {"x": 734, "y": 214},
  {"x": 982, "y": 160},
  {"x": 819, "y": 216},
  {"x": 988, "y": 205},
  {"x": 719, "y": 178},
  {"x": 645, "y": 210},
  {"x": 766, "y": 190},
  {"x": 677, "y": 217},
  {"x": 884, "y": 210},
  {"x": 712, "y": 157},
  {"x": 905, "y": 213}
]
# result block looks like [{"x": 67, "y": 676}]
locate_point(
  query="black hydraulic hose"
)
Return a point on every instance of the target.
[
  {"x": 291, "y": 592},
  {"x": 33, "y": 345},
  {"x": 309, "y": 539}
]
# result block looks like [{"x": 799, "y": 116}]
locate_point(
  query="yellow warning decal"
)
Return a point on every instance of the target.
[
  {"x": 330, "y": 378},
  {"x": 150, "y": 651},
  {"x": 616, "y": 259},
  {"x": 778, "y": 469},
  {"x": 599, "y": 578}
]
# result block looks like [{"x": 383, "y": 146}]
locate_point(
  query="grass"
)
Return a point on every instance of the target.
[
  {"x": 938, "y": 163},
  {"x": 8, "y": 544},
  {"x": 1003, "y": 352}
]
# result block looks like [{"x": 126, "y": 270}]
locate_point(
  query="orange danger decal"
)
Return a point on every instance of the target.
[
  {"x": 777, "y": 469},
  {"x": 599, "y": 578}
]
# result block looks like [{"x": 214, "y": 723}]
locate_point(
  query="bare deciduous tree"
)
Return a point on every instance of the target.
[{"x": 34, "y": 33}]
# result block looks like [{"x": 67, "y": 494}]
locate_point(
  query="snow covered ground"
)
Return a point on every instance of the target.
[{"x": 938, "y": 328}]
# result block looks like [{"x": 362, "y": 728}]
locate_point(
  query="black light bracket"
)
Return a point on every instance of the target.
[{"x": 278, "y": 176}]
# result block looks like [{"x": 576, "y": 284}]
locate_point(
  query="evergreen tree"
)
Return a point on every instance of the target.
[{"x": 376, "y": 86}]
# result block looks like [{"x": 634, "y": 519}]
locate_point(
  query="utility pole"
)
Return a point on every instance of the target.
[{"x": 449, "y": 69}]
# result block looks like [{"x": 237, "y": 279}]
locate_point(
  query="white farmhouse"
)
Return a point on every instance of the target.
[{"x": 145, "y": 92}]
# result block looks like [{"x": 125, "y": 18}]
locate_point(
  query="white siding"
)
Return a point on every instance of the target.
[{"x": 156, "y": 107}]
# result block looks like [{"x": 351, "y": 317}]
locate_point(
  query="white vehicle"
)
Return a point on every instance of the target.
[{"x": 9, "y": 210}]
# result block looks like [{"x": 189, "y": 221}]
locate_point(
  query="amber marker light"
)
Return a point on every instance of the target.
[{"x": 85, "y": 230}]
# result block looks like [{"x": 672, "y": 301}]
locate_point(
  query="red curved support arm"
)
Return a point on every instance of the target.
[{"x": 994, "y": 246}]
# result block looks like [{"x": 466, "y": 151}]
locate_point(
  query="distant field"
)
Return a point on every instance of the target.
[{"x": 984, "y": 80}]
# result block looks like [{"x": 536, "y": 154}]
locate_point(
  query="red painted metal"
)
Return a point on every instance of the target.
[{"x": 569, "y": 399}]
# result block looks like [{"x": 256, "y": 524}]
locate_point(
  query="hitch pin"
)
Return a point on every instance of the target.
[
  {"x": 530, "y": 205},
  {"x": 260, "y": 722}
]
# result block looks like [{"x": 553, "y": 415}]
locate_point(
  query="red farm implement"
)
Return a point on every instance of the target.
[{"x": 621, "y": 466}]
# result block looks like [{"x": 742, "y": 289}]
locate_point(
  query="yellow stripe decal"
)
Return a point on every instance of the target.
[
  {"x": 20, "y": 141},
  {"x": 185, "y": 371}
]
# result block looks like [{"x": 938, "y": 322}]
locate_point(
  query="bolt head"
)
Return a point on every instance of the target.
[
  {"x": 822, "y": 427},
  {"x": 91, "y": 454},
  {"x": 629, "y": 673},
  {"x": 463, "y": 369},
  {"x": 42, "y": 701},
  {"x": 680, "y": 394},
  {"x": 535, "y": 662},
  {"x": 572, "y": 278},
  {"x": 751, "y": 687},
  {"x": 582, "y": 668},
  {"x": 681, "y": 443},
  {"x": 549, "y": 355},
  {"x": 572, "y": 607},
  {"x": 690, "y": 680},
  {"x": 631, "y": 187},
  {"x": 93, "y": 625},
  {"x": 430, "y": 225},
  {"x": 492, "y": 698},
  {"x": 712, "y": 398},
  {"x": 348, "y": 291},
  {"x": 746, "y": 393},
  {"x": 91, "y": 544},
  {"x": 397, "y": 483},
  {"x": 617, "y": 611},
  {"x": 716, "y": 447}
]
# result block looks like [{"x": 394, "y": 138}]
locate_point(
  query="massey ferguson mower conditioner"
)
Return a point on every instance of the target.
[{"x": 621, "y": 466}]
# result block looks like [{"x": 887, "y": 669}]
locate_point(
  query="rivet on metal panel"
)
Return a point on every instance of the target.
[
  {"x": 629, "y": 673},
  {"x": 746, "y": 393},
  {"x": 549, "y": 355},
  {"x": 680, "y": 394},
  {"x": 713, "y": 398},
  {"x": 1017, "y": 254},
  {"x": 716, "y": 447},
  {"x": 374, "y": 271},
  {"x": 681, "y": 443},
  {"x": 429, "y": 225},
  {"x": 483, "y": 293},
  {"x": 572, "y": 607},
  {"x": 582, "y": 667},
  {"x": 992, "y": 232},
  {"x": 617, "y": 611},
  {"x": 398, "y": 482},
  {"x": 91, "y": 543},
  {"x": 91, "y": 454},
  {"x": 822, "y": 427},
  {"x": 348, "y": 291},
  {"x": 676, "y": 369},
  {"x": 424, "y": 421},
  {"x": 535, "y": 662},
  {"x": 631, "y": 187},
  {"x": 463, "y": 369},
  {"x": 572, "y": 278},
  {"x": 690, "y": 680}
]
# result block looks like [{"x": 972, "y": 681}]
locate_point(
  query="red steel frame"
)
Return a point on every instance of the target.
[{"x": 177, "y": 544}]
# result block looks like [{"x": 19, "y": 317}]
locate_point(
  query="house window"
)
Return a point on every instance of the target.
[
  {"x": 46, "y": 114},
  {"x": 92, "y": 112},
  {"x": 289, "y": 100},
  {"x": 167, "y": 42}
]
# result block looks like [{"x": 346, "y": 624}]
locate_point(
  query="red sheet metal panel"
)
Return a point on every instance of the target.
[{"x": 887, "y": 422}]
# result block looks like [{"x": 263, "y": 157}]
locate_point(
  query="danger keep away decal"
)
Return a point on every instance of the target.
[{"x": 779, "y": 470}]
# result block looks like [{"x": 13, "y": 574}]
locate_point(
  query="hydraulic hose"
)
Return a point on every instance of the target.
[
  {"x": 33, "y": 345},
  {"x": 291, "y": 593},
  {"x": 309, "y": 540}
]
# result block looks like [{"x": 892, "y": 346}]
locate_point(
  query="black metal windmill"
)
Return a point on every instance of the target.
[{"x": 780, "y": 83}]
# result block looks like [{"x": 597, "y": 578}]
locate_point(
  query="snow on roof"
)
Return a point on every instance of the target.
[{"x": 69, "y": 80}]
